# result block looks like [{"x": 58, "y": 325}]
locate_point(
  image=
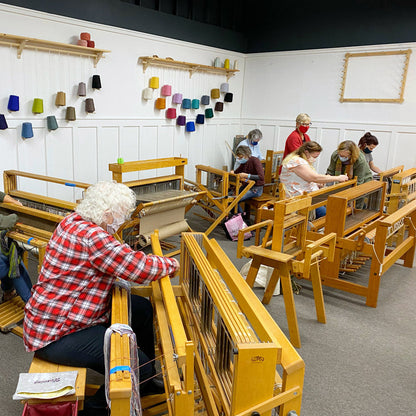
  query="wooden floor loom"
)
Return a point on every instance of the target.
[
  {"x": 162, "y": 201},
  {"x": 403, "y": 190},
  {"x": 37, "y": 219},
  {"x": 271, "y": 188},
  {"x": 287, "y": 250},
  {"x": 365, "y": 233},
  {"x": 217, "y": 200},
  {"x": 221, "y": 352}
]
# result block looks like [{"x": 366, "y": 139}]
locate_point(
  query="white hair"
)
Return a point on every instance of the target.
[
  {"x": 106, "y": 197},
  {"x": 255, "y": 134}
]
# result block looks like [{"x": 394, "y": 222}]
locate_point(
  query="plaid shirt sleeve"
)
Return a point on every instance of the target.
[{"x": 74, "y": 287}]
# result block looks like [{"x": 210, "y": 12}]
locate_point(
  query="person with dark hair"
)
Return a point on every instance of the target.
[
  {"x": 349, "y": 160},
  {"x": 367, "y": 144},
  {"x": 249, "y": 168},
  {"x": 299, "y": 176}
]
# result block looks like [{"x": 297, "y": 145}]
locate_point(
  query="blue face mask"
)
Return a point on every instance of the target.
[
  {"x": 242, "y": 160},
  {"x": 254, "y": 143},
  {"x": 367, "y": 150},
  {"x": 344, "y": 159}
]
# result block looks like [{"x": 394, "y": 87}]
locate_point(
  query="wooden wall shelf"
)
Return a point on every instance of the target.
[
  {"x": 192, "y": 68},
  {"x": 23, "y": 42}
]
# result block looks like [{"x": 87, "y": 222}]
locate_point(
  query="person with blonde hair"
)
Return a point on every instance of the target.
[
  {"x": 349, "y": 160},
  {"x": 298, "y": 136},
  {"x": 69, "y": 311},
  {"x": 299, "y": 176}
]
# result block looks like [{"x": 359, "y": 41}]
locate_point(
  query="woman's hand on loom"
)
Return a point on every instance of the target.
[{"x": 177, "y": 266}]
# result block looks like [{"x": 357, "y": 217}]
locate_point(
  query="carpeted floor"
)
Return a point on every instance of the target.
[{"x": 361, "y": 362}]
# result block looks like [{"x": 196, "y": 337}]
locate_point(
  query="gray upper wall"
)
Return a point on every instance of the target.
[{"x": 258, "y": 26}]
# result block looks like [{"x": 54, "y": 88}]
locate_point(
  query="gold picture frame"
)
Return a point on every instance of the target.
[{"x": 402, "y": 82}]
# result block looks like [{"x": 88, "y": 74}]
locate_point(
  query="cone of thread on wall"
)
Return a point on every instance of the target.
[
  {"x": 60, "y": 99},
  {"x": 195, "y": 104},
  {"x": 37, "y": 107},
  {"x": 3, "y": 122},
  {"x": 209, "y": 113},
  {"x": 190, "y": 126},
  {"x": 200, "y": 119},
  {"x": 147, "y": 94},
  {"x": 181, "y": 121},
  {"x": 13, "y": 104},
  {"x": 51, "y": 123},
  {"x": 215, "y": 93},
  {"x": 171, "y": 113},
  {"x": 186, "y": 103},
  {"x": 219, "y": 106},
  {"x": 177, "y": 98},
  {"x": 205, "y": 100},
  {"x": 228, "y": 98},
  {"x": 166, "y": 90},
  {"x": 89, "y": 105},
  {"x": 154, "y": 83},
  {"x": 160, "y": 103},
  {"x": 224, "y": 87},
  {"x": 96, "y": 82},
  {"x": 82, "y": 89},
  {"x": 70, "y": 114},
  {"x": 27, "y": 130}
]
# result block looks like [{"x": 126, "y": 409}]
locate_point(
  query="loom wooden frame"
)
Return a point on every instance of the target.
[{"x": 349, "y": 56}]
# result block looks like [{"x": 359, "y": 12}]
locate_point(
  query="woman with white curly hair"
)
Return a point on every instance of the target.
[{"x": 69, "y": 311}]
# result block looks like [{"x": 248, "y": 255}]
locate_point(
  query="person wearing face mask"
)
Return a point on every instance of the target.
[
  {"x": 249, "y": 168},
  {"x": 349, "y": 160},
  {"x": 69, "y": 310},
  {"x": 298, "y": 136},
  {"x": 367, "y": 144},
  {"x": 299, "y": 176},
  {"x": 252, "y": 142}
]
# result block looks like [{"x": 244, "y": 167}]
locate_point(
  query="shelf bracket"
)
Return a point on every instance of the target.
[
  {"x": 97, "y": 58},
  {"x": 22, "y": 45}
]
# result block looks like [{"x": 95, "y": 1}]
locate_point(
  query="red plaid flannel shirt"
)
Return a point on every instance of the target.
[{"x": 74, "y": 288}]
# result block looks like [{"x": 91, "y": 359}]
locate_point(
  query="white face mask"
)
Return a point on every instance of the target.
[
  {"x": 311, "y": 159},
  {"x": 115, "y": 225}
]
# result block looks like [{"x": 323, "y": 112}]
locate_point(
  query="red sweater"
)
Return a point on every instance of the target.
[{"x": 294, "y": 141}]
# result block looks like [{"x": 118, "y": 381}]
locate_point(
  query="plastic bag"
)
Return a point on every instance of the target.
[
  {"x": 233, "y": 225},
  {"x": 45, "y": 385},
  {"x": 262, "y": 278}
]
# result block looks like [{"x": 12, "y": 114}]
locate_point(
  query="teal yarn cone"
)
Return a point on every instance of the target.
[
  {"x": 27, "y": 130},
  {"x": 52, "y": 123},
  {"x": 209, "y": 113}
]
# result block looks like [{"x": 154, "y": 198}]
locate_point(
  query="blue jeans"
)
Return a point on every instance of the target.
[
  {"x": 85, "y": 348},
  {"x": 22, "y": 284},
  {"x": 320, "y": 212},
  {"x": 251, "y": 193}
]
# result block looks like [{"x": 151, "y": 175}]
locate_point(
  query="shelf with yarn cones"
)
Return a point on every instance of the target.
[
  {"x": 191, "y": 67},
  {"x": 23, "y": 42}
]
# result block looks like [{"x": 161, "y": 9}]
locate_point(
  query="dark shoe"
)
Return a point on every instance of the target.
[{"x": 153, "y": 386}]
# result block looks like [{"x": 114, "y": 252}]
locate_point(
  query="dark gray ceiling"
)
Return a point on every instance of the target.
[{"x": 250, "y": 25}]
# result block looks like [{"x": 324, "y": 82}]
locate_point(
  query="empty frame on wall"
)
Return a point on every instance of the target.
[{"x": 377, "y": 77}]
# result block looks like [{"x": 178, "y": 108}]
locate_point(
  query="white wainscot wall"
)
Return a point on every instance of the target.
[{"x": 124, "y": 124}]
